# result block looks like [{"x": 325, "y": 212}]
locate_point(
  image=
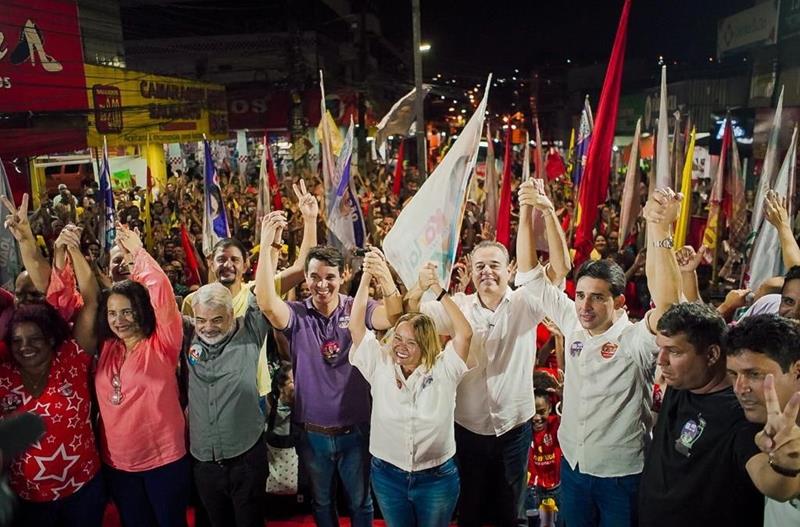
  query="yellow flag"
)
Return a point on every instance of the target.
[
  {"x": 686, "y": 189},
  {"x": 336, "y": 135}
]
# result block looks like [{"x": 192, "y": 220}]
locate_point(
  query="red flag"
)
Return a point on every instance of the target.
[
  {"x": 554, "y": 165},
  {"x": 397, "y": 180},
  {"x": 191, "y": 260},
  {"x": 594, "y": 183},
  {"x": 274, "y": 189},
  {"x": 504, "y": 209}
]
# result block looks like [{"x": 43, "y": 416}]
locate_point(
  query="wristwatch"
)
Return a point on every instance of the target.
[{"x": 666, "y": 243}]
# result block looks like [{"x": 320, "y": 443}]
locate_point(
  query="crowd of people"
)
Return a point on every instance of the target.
[{"x": 610, "y": 392}]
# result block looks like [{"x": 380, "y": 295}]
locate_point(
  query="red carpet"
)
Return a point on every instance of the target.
[{"x": 112, "y": 520}]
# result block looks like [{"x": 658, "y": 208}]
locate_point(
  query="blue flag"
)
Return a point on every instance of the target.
[
  {"x": 108, "y": 225},
  {"x": 215, "y": 220},
  {"x": 582, "y": 142},
  {"x": 345, "y": 219}
]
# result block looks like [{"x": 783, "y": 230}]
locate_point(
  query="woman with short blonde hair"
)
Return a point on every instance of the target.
[{"x": 413, "y": 385}]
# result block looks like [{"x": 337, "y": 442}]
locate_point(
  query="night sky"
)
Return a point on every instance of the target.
[{"x": 471, "y": 37}]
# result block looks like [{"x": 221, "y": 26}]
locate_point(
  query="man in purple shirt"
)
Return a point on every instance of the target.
[{"x": 332, "y": 406}]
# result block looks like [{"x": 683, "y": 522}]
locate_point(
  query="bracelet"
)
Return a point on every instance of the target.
[
  {"x": 783, "y": 471},
  {"x": 441, "y": 295},
  {"x": 277, "y": 246}
]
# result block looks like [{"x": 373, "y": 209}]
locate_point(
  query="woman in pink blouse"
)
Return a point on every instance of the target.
[{"x": 142, "y": 426}]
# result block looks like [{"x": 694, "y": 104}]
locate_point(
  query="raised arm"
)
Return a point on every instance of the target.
[
  {"x": 663, "y": 276},
  {"x": 462, "y": 330},
  {"x": 17, "y": 223},
  {"x": 688, "y": 261},
  {"x": 532, "y": 196},
  {"x": 309, "y": 208},
  {"x": 358, "y": 313},
  {"x": 270, "y": 302},
  {"x": 385, "y": 315},
  {"x": 85, "y": 329},
  {"x": 146, "y": 271},
  {"x": 775, "y": 212}
]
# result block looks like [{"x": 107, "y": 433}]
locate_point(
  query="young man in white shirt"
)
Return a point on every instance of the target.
[
  {"x": 764, "y": 366},
  {"x": 610, "y": 365},
  {"x": 494, "y": 401}
]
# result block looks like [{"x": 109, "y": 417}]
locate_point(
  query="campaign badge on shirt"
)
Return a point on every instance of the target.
[
  {"x": 690, "y": 433},
  {"x": 195, "y": 354},
  {"x": 344, "y": 321},
  {"x": 10, "y": 402},
  {"x": 66, "y": 390},
  {"x": 575, "y": 349},
  {"x": 330, "y": 351},
  {"x": 608, "y": 350}
]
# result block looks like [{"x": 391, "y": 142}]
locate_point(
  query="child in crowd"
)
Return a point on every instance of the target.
[{"x": 544, "y": 464}]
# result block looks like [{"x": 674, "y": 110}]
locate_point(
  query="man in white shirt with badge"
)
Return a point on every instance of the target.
[
  {"x": 609, "y": 369},
  {"x": 494, "y": 401}
]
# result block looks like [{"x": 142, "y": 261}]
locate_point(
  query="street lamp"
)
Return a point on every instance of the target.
[{"x": 424, "y": 47}]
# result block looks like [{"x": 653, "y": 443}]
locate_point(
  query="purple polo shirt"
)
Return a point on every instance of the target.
[{"x": 328, "y": 390}]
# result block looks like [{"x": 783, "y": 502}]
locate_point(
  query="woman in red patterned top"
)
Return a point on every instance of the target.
[{"x": 58, "y": 478}]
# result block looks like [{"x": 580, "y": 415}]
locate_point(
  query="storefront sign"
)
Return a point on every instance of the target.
[
  {"x": 129, "y": 107},
  {"x": 41, "y": 56},
  {"x": 751, "y": 27}
]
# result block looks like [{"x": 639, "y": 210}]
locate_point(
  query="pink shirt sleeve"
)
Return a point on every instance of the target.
[
  {"x": 168, "y": 335},
  {"x": 62, "y": 293}
]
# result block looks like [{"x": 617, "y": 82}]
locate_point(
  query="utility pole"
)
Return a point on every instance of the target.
[
  {"x": 419, "y": 100},
  {"x": 362, "y": 91}
]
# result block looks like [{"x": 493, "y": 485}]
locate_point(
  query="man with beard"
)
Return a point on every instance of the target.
[
  {"x": 609, "y": 371},
  {"x": 332, "y": 405},
  {"x": 494, "y": 400},
  {"x": 764, "y": 367},
  {"x": 226, "y": 424},
  {"x": 229, "y": 260}
]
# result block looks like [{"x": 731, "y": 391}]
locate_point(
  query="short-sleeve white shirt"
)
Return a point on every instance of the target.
[
  {"x": 608, "y": 383},
  {"x": 496, "y": 395},
  {"x": 412, "y": 419}
]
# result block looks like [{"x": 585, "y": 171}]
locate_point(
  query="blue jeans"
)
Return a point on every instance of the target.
[
  {"x": 348, "y": 454},
  {"x": 494, "y": 476},
  {"x": 587, "y": 501},
  {"x": 158, "y": 496},
  {"x": 85, "y": 508},
  {"x": 409, "y": 499}
]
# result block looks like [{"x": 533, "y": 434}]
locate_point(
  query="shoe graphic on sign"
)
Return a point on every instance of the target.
[{"x": 31, "y": 46}]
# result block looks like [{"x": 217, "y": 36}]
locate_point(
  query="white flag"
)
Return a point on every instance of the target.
[
  {"x": 770, "y": 166},
  {"x": 767, "y": 258},
  {"x": 398, "y": 120},
  {"x": 428, "y": 228},
  {"x": 663, "y": 172}
]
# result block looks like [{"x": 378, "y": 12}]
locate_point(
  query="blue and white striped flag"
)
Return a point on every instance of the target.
[{"x": 215, "y": 220}]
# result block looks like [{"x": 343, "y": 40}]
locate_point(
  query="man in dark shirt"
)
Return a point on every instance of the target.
[{"x": 695, "y": 472}]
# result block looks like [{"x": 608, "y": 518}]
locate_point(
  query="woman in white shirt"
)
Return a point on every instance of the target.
[{"x": 413, "y": 385}]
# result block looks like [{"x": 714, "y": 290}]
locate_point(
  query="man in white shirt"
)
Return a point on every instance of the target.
[
  {"x": 764, "y": 366},
  {"x": 610, "y": 365},
  {"x": 494, "y": 401}
]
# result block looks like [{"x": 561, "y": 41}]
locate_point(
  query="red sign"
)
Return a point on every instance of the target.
[
  {"x": 107, "y": 109},
  {"x": 41, "y": 56}
]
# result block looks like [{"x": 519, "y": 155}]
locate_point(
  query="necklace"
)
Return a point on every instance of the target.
[
  {"x": 116, "y": 382},
  {"x": 35, "y": 387}
]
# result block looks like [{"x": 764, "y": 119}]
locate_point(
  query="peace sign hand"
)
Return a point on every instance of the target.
[
  {"x": 17, "y": 220},
  {"x": 306, "y": 202},
  {"x": 780, "y": 438}
]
